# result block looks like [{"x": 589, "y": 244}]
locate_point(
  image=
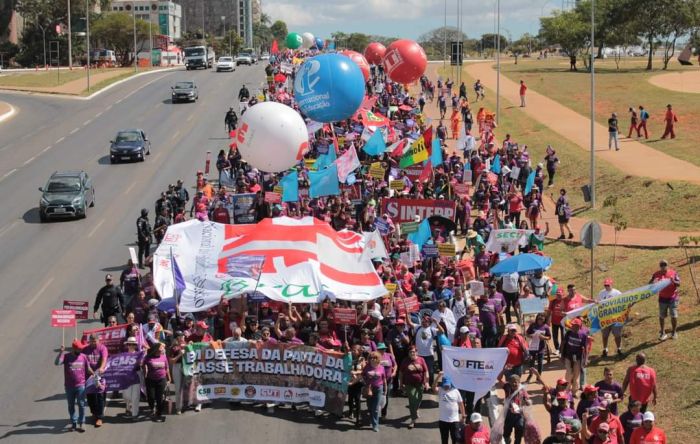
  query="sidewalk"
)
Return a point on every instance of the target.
[{"x": 634, "y": 158}]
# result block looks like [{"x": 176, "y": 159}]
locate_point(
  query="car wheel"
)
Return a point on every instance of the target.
[
  {"x": 85, "y": 210},
  {"x": 92, "y": 202},
  {"x": 112, "y": 161},
  {"x": 42, "y": 217},
  {"x": 143, "y": 155}
]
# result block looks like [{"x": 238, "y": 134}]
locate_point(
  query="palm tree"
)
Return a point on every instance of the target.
[{"x": 265, "y": 19}]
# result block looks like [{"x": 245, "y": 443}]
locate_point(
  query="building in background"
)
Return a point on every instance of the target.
[
  {"x": 15, "y": 28},
  {"x": 165, "y": 16},
  {"x": 215, "y": 16}
]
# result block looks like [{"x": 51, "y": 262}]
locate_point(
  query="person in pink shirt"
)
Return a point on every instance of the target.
[
  {"x": 96, "y": 354},
  {"x": 668, "y": 299},
  {"x": 75, "y": 370},
  {"x": 156, "y": 372}
]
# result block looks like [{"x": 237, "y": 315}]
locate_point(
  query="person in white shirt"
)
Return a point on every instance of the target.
[
  {"x": 616, "y": 329},
  {"x": 444, "y": 314},
  {"x": 510, "y": 284},
  {"x": 424, "y": 337},
  {"x": 459, "y": 304},
  {"x": 451, "y": 408}
]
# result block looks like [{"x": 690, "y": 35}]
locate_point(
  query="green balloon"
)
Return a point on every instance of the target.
[{"x": 293, "y": 40}]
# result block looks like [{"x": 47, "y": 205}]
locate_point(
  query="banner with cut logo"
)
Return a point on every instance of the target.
[
  {"x": 509, "y": 238},
  {"x": 249, "y": 371},
  {"x": 473, "y": 369}
]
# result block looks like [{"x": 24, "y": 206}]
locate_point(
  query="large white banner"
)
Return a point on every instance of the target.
[
  {"x": 473, "y": 369},
  {"x": 303, "y": 261},
  {"x": 510, "y": 238}
]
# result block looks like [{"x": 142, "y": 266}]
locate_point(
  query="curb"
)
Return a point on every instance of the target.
[
  {"x": 91, "y": 96},
  {"x": 8, "y": 114}
]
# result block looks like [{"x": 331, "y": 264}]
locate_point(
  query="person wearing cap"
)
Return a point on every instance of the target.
[
  {"x": 641, "y": 380},
  {"x": 375, "y": 380},
  {"x": 476, "y": 432},
  {"x": 75, "y": 373},
  {"x": 631, "y": 419},
  {"x": 450, "y": 406},
  {"x": 604, "y": 420},
  {"x": 668, "y": 299},
  {"x": 201, "y": 333},
  {"x": 152, "y": 330},
  {"x": 517, "y": 350},
  {"x": 558, "y": 403},
  {"x": 574, "y": 352},
  {"x": 414, "y": 376},
  {"x": 424, "y": 337},
  {"x": 670, "y": 118},
  {"x": 589, "y": 400},
  {"x": 156, "y": 372},
  {"x": 616, "y": 328},
  {"x": 132, "y": 394},
  {"x": 558, "y": 435},
  {"x": 387, "y": 361},
  {"x": 110, "y": 300},
  {"x": 609, "y": 389},
  {"x": 648, "y": 432},
  {"x": 612, "y": 132}
]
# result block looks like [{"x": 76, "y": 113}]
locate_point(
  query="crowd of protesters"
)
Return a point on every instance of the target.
[{"x": 394, "y": 353}]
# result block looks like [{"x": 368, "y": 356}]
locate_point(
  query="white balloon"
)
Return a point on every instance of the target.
[
  {"x": 272, "y": 137},
  {"x": 308, "y": 40}
]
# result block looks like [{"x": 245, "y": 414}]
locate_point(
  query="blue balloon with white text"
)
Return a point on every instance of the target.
[{"x": 329, "y": 88}]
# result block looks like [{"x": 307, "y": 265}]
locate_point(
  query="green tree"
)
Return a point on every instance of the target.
[
  {"x": 230, "y": 44},
  {"x": 488, "y": 41},
  {"x": 433, "y": 42},
  {"x": 680, "y": 22},
  {"x": 279, "y": 31},
  {"x": 652, "y": 20},
  {"x": 116, "y": 31},
  {"x": 567, "y": 29}
]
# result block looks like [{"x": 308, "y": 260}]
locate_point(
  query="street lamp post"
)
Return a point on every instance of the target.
[
  {"x": 223, "y": 21},
  {"x": 136, "y": 54},
  {"x": 498, "y": 59},
  {"x": 150, "y": 38},
  {"x": 592, "y": 179},
  {"x": 444, "y": 34},
  {"x": 87, "y": 40},
  {"x": 70, "y": 41}
]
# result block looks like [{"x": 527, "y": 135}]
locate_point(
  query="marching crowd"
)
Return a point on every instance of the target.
[{"x": 395, "y": 352}]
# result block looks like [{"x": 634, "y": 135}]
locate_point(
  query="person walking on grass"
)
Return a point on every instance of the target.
[
  {"x": 563, "y": 214},
  {"x": 668, "y": 299},
  {"x": 643, "y": 117},
  {"x": 634, "y": 123},
  {"x": 616, "y": 328},
  {"x": 523, "y": 90},
  {"x": 670, "y": 118},
  {"x": 613, "y": 132},
  {"x": 641, "y": 380}
]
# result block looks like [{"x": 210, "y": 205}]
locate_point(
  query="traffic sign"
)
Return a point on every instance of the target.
[{"x": 591, "y": 234}]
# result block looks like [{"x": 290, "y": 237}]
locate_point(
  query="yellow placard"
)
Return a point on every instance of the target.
[
  {"x": 391, "y": 287},
  {"x": 376, "y": 171},
  {"x": 446, "y": 249},
  {"x": 398, "y": 185},
  {"x": 277, "y": 189}
]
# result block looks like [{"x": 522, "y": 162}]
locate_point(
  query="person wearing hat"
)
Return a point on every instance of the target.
[
  {"x": 132, "y": 394},
  {"x": 616, "y": 328},
  {"x": 604, "y": 420},
  {"x": 558, "y": 435},
  {"x": 75, "y": 373},
  {"x": 558, "y": 403},
  {"x": 668, "y": 299},
  {"x": 574, "y": 353},
  {"x": 390, "y": 370},
  {"x": 152, "y": 330},
  {"x": 201, "y": 333},
  {"x": 589, "y": 400},
  {"x": 601, "y": 436},
  {"x": 612, "y": 132},
  {"x": 450, "y": 406},
  {"x": 476, "y": 432},
  {"x": 516, "y": 398},
  {"x": 670, "y": 118},
  {"x": 110, "y": 300},
  {"x": 156, "y": 372},
  {"x": 648, "y": 432},
  {"x": 517, "y": 350}
]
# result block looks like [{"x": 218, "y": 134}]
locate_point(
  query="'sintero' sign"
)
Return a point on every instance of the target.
[{"x": 405, "y": 210}]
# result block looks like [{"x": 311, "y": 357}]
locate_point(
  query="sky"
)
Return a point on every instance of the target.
[{"x": 407, "y": 18}]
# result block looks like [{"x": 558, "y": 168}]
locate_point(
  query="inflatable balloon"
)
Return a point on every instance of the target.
[
  {"x": 293, "y": 40},
  {"x": 272, "y": 137},
  {"x": 329, "y": 87},
  {"x": 319, "y": 43},
  {"x": 360, "y": 60},
  {"x": 308, "y": 40},
  {"x": 374, "y": 53},
  {"x": 404, "y": 61}
]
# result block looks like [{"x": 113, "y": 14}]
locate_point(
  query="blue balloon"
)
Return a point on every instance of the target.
[
  {"x": 319, "y": 43},
  {"x": 329, "y": 87}
]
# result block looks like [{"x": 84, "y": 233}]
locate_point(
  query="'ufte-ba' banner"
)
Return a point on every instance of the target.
[{"x": 287, "y": 373}]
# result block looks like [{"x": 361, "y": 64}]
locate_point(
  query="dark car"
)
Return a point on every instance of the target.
[
  {"x": 130, "y": 144},
  {"x": 66, "y": 194},
  {"x": 184, "y": 91}
]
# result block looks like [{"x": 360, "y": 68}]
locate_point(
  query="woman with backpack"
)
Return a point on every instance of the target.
[{"x": 563, "y": 214}]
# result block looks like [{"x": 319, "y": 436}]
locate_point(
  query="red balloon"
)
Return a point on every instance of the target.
[
  {"x": 359, "y": 59},
  {"x": 405, "y": 61},
  {"x": 374, "y": 53}
]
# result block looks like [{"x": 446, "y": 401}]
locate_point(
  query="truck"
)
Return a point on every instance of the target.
[{"x": 199, "y": 57}]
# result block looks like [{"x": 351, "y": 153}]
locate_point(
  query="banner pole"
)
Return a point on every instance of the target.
[{"x": 63, "y": 338}]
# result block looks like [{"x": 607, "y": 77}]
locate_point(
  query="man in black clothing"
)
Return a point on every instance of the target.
[
  {"x": 163, "y": 203},
  {"x": 231, "y": 120},
  {"x": 182, "y": 195},
  {"x": 144, "y": 233},
  {"x": 243, "y": 94},
  {"x": 111, "y": 299},
  {"x": 160, "y": 226}
]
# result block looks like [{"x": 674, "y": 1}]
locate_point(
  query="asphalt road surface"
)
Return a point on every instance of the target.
[{"x": 43, "y": 264}]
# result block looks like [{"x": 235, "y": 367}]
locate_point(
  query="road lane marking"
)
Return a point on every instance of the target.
[
  {"x": 46, "y": 149},
  {"x": 177, "y": 133},
  {"x": 130, "y": 187},
  {"x": 8, "y": 173},
  {"x": 190, "y": 117},
  {"x": 87, "y": 122},
  {"x": 61, "y": 139},
  {"x": 28, "y": 161},
  {"x": 39, "y": 293},
  {"x": 5, "y": 147},
  {"x": 4, "y": 230},
  {"x": 108, "y": 108},
  {"x": 99, "y": 114},
  {"x": 94, "y": 230},
  {"x": 75, "y": 130}
]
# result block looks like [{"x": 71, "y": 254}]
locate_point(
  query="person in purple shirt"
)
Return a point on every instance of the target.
[
  {"x": 96, "y": 354},
  {"x": 610, "y": 388},
  {"x": 573, "y": 351},
  {"x": 489, "y": 309},
  {"x": 589, "y": 402},
  {"x": 390, "y": 369},
  {"x": 631, "y": 419},
  {"x": 75, "y": 370},
  {"x": 559, "y": 408},
  {"x": 375, "y": 382},
  {"x": 538, "y": 334},
  {"x": 156, "y": 372}
]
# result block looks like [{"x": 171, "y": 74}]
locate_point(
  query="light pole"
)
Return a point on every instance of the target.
[
  {"x": 223, "y": 21},
  {"x": 87, "y": 40},
  {"x": 444, "y": 34},
  {"x": 70, "y": 41},
  {"x": 136, "y": 55},
  {"x": 592, "y": 190},
  {"x": 498, "y": 59},
  {"x": 203, "y": 32},
  {"x": 150, "y": 38}
]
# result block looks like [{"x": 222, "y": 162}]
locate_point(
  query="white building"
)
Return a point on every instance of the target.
[{"x": 165, "y": 16}]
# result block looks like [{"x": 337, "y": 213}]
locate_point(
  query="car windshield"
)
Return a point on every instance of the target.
[
  {"x": 225, "y": 59},
  {"x": 63, "y": 185},
  {"x": 184, "y": 85},
  {"x": 129, "y": 136},
  {"x": 194, "y": 52}
]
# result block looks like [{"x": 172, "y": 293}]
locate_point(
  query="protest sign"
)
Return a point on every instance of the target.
[
  {"x": 286, "y": 68},
  {"x": 409, "y": 227},
  {"x": 62, "y": 318},
  {"x": 345, "y": 316},
  {"x": 467, "y": 176},
  {"x": 473, "y": 369},
  {"x": 272, "y": 197},
  {"x": 461, "y": 189},
  {"x": 382, "y": 225},
  {"x": 476, "y": 288},
  {"x": 112, "y": 337},
  {"x": 402, "y": 305},
  {"x": 406, "y": 210},
  {"x": 430, "y": 250},
  {"x": 447, "y": 249},
  {"x": 376, "y": 171},
  {"x": 397, "y": 185},
  {"x": 287, "y": 373},
  {"x": 242, "y": 208},
  {"x": 391, "y": 287},
  {"x": 414, "y": 171},
  {"x": 133, "y": 256},
  {"x": 121, "y": 370},
  {"x": 510, "y": 238},
  {"x": 81, "y": 308},
  {"x": 277, "y": 189},
  {"x": 514, "y": 173}
]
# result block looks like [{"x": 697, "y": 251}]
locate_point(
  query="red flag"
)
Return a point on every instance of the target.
[
  {"x": 398, "y": 150},
  {"x": 275, "y": 48},
  {"x": 425, "y": 174},
  {"x": 373, "y": 119}
]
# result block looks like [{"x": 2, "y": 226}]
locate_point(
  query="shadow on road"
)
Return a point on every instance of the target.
[
  {"x": 104, "y": 160},
  {"x": 31, "y": 216},
  {"x": 40, "y": 427}
]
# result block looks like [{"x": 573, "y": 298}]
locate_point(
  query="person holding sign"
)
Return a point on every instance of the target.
[{"x": 75, "y": 370}]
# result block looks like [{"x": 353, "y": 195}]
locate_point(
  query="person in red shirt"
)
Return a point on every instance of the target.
[
  {"x": 556, "y": 312},
  {"x": 641, "y": 380},
  {"x": 668, "y": 299},
  {"x": 605, "y": 420},
  {"x": 523, "y": 89},
  {"x": 476, "y": 432},
  {"x": 670, "y": 118},
  {"x": 517, "y": 347},
  {"x": 648, "y": 433},
  {"x": 221, "y": 214}
]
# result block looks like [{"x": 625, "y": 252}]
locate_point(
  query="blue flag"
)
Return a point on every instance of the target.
[
  {"x": 496, "y": 166},
  {"x": 530, "y": 182},
  {"x": 375, "y": 146},
  {"x": 324, "y": 182},
  {"x": 290, "y": 187},
  {"x": 436, "y": 155},
  {"x": 324, "y": 160},
  {"x": 422, "y": 235}
]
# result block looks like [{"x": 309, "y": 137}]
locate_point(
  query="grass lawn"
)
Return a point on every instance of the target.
[
  {"x": 49, "y": 78},
  {"x": 105, "y": 83},
  {"x": 675, "y": 361},
  {"x": 616, "y": 91},
  {"x": 644, "y": 203}
]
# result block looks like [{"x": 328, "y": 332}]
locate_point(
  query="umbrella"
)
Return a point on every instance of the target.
[
  {"x": 442, "y": 222},
  {"x": 523, "y": 264}
]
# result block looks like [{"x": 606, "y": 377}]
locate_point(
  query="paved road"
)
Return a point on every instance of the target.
[{"x": 43, "y": 264}]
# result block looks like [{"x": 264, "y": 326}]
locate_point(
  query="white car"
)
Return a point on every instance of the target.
[
  {"x": 244, "y": 59},
  {"x": 265, "y": 56},
  {"x": 225, "y": 64}
]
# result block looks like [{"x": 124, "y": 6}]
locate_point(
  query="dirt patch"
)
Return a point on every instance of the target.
[{"x": 686, "y": 82}]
